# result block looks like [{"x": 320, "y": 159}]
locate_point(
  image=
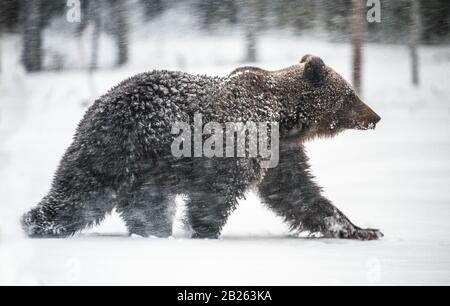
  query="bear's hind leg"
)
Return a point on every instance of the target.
[
  {"x": 148, "y": 212},
  {"x": 66, "y": 211}
]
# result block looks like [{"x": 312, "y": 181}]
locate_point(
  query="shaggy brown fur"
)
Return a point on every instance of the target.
[{"x": 121, "y": 156}]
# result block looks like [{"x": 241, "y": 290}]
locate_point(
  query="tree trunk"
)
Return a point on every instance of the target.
[
  {"x": 251, "y": 29},
  {"x": 1, "y": 31},
  {"x": 1, "y": 45},
  {"x": 320, "y": 11},
  {"x": 32, "y": 39},
  {"x": 121, "y": 31},
  {"x": 414, "y": 39},
  {"x": 358, "y": 30},
  {"x": 94, "y": 8}
]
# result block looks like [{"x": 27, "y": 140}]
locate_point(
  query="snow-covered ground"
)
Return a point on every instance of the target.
[{"x": 396, "y": 178}]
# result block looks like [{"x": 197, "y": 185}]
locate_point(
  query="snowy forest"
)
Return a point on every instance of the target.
[
  {"x": 58, "y": 56},
  {"x": 40, "y": 23}
]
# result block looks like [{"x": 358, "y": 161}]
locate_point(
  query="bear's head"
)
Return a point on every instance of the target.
[{"x": 318, "y": 102}]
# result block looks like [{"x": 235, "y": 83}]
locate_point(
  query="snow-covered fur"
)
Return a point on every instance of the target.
[{"x": 121, "y": 154}]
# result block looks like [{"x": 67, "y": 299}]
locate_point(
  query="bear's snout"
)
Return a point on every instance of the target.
[{"x": 365, "y": 118}]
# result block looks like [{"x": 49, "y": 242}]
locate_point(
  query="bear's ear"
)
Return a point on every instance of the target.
[
  {"x": 315, "y": 70},
  {"x": 305, "y": 58}
]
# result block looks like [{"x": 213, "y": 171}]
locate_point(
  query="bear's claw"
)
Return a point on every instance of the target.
[
  {"x": 367, "y": 234},
  {"x": 356, "y": 234}
]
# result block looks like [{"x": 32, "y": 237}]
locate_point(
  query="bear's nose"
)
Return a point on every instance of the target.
[
  {"x": 366, "y": 118},
  {"x": 376, "y": 118}
]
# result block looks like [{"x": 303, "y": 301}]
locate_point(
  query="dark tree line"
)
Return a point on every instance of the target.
[
  {"x": 298, "y": 14},
  {"x": 118, "y": 28},
  {"x": 30, "y": 17},
  {"x": 335, "y": 17}
]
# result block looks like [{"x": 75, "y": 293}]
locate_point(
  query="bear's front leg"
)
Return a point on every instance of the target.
[
  {"x": 207, "y": 212},
  {"x": 290, "y": 191},
  {"x": 148, "y": 212}
]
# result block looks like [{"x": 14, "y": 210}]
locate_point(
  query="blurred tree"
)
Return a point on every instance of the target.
[
  {"x": 85, "y": 17},
  {"x": 299, "y": 15},
  {"x": 358, "y": 29},
  {"x": 394, "y": 25},
  {"x": 435, "y": 20},
  {"x": 9, "y": 15},
  {"x": 1, "y": 47},
  {"x": 120, "y": 12},
  {"x": 9, "y": 20},
  {"x": 153, "y": 8},
  {"x": 250, "y": 13},
  {"x": 213, "y": 13},
  {"x": 320, "y": 15},
  {"x": 31, "y": 19},
  {"x": 50, "y": 9},
  {"x": 338, "y": 13},
  {"x": 94, "y": 9},
  {"x": 414, "y": 39},
  {"x": 1, "y": 34}
]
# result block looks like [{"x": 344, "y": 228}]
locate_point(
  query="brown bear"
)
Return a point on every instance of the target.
[{"x": 122, "y": 153}]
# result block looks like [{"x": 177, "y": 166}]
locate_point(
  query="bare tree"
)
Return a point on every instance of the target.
[
  {"x": 32, "y": 39},
  {"x": 358, "y": 30},
  {"x": 95, "y": 17},
  {"x": 415, "y": 27},
  {"x": 1, "y": 34},
  {"x": 120, "y": 11},
  {"x": 320, "y": 12},
  {"x": 250, "y": 16},
  {"x": 1, "y": 37}
]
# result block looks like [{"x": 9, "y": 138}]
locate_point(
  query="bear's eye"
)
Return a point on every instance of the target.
[
  {"x": 339, "y": 103},
  {"x": 351, "y": 98}
]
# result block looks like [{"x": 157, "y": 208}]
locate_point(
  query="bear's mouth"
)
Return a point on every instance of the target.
[
  {"x": 365, "y": 126},
  {"x": 295, "y": 131},
  {"x": 316, "y": 132}
]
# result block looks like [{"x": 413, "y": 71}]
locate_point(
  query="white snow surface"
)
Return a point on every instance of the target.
[{"x": 395, "y": 178}]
